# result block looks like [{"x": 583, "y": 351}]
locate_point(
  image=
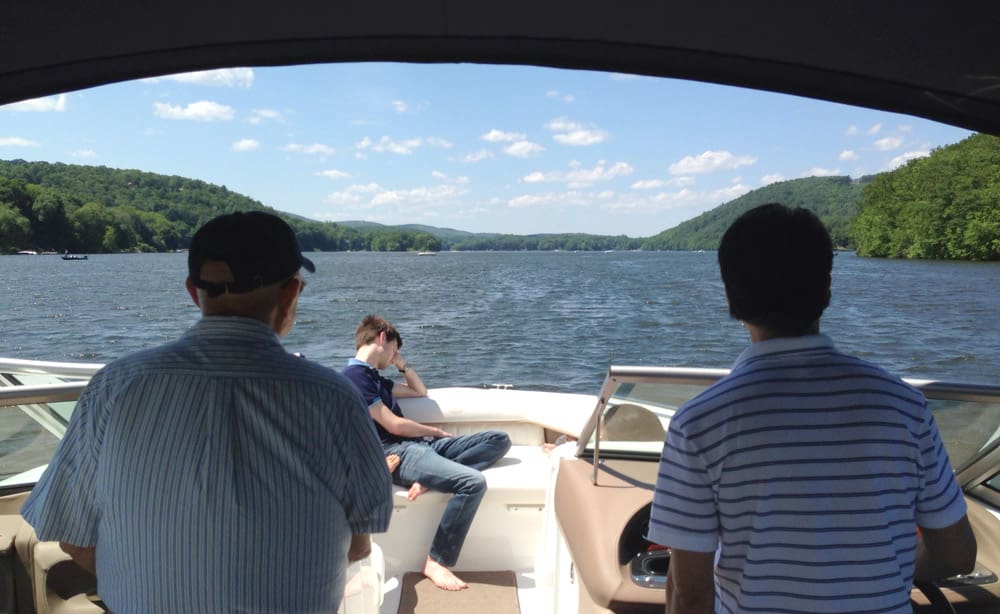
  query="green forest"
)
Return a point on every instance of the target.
[
  {"x": 88, "y": 209},
  {"x": 834, "y": 199},
  {"x": 944, "y": 206}
]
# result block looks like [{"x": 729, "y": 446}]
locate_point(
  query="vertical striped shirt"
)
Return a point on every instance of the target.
[
  {"x": 806, "y": 470},
  {"x": 217, "y": 473}
]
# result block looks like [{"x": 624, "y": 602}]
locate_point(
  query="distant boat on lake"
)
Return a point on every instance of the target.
[
  {"x": 69, "y": 256},
  {"x": 427, "y": 253}
]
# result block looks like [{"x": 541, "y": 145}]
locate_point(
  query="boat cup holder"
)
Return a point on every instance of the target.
[{"x": 649, "y": 569}]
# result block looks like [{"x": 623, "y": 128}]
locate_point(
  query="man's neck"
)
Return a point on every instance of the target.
[
  {"x": 760, "y": 333},
  {"x": 364, "y": 354}
]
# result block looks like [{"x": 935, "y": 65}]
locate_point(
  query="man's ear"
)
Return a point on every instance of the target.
[
  {"x": 193, "y": 291},
  {"x": 290, "y": 293}
]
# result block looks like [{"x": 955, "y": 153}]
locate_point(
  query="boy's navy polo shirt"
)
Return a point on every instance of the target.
[{"x": 374, "y": 389}]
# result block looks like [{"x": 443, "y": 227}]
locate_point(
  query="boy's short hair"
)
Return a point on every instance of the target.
[
  {"x": 775, "y": 263},
  {"x": 371, "y": 327}
]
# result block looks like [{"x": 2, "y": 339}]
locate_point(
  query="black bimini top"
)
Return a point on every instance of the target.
[{"x": 936, "y": 60}]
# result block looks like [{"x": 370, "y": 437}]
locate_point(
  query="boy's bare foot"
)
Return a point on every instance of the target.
[
  {"x": 442, "y": 577},
  {"x": 416, "y": 489},
  {"x": 393, "y": 462}
]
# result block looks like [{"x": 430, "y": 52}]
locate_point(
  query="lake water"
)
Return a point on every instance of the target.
[{"x": 537, "y": 320}]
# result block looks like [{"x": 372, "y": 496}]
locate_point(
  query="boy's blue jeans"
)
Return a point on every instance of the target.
[{"x": 451, "y": 464}]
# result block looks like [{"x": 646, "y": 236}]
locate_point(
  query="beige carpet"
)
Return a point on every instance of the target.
[{"x": 489, "y": 592}]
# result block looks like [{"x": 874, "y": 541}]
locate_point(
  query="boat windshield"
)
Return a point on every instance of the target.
[{"x": 637, "y": 404}]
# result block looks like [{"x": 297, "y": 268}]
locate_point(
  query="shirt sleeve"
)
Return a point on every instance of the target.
[
  {"x": 366, "y": 384},
  {"x": 368, "y": 499},
  {"x": 940, "y": 502},
  {"x": 684, "y": 514},
  {"x": 63, "y": 505}
]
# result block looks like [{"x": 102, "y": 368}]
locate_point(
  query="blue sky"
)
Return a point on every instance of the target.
[{"x": 479, "y": 148}]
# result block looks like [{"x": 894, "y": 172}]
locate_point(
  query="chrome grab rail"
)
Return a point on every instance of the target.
[
  {"x": 50, "y": 393},
  {"x": 13, "y": 394},
  {"x": 46, "y": 367}
]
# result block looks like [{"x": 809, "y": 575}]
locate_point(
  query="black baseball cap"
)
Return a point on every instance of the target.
[{"x": 260, "y": 249}]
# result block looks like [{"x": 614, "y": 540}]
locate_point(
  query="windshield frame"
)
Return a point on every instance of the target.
[{"x": 971, "y": 473}]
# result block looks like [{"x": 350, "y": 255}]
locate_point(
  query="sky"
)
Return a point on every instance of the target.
[{"x": 507, "y": 149}]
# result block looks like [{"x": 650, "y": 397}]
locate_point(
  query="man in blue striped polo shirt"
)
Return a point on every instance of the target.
[
  {"x": 797, "y": 482},
  {"x": 220, "y": 473}
]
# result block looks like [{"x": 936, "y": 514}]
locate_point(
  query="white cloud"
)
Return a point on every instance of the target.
[
  {"x": 551, "y": 199},
  {"x": 874, "y": 129},
  {"x": 222, "y": 77},
  {"x": 620, "y": 76},
  {"x": 817, "y": 171},
  {"x": 334, "y": 174},
  {"x": 582, "y": 137},
  {"x": 906, "y": 128},
  {"x": 421, "y": 195},
  {"x": 562, "y": 124},
  {"x": 400, "y": 106},
  {"x": 16, "y": 141},
  {"x": 498, "y": 136},
  {"x": 848, "y": 154},
  {"x": 888, "y": 143},
  {"x": 354, "y": 194},
  {"x": 310, "y": 150},
  {"x": 243, "y": 145},
  {"x": 478, "y": 156},
  {"x": 576, "y": 134},
  {"x": 567, "y": 98},
  {"x": 710, "y": 162},
  {"x": 436, "y": 141},
  {"x": 523, "y": 149},
  {"x": 201, "y": 111},
  {"x": 902, "y": 159},
  {"x": 580, "y": 177},
  {"x": 373, "y": 195},
  {"x": 84, "y": 153},
  {"x": 655, "y": 184},
  {"x": 852, "y": 130},
  {"x": 772, "y": 178},
  {"x": 39, "y": 105},
  {"x": 725, "y": 195},
  {"x": 259, "y": 115},
  {"x": 402, "y": 148},
  {"x": 649, "y": 184}
]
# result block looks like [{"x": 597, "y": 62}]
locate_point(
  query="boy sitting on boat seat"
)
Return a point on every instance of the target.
[{"x": 429, "y": 458}]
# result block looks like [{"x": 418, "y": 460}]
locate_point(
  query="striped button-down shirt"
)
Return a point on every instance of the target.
[
  {"x": 807, "y": 469},
  {"x": 217, "y": 473}
]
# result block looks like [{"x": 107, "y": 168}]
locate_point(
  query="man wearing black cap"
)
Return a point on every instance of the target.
[{"x": 218, "y": 472}]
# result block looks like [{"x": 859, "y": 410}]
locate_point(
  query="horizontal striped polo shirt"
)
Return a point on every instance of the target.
[
  {"x": 217, "y": 473},
  {"x": 806, "y": 470}
]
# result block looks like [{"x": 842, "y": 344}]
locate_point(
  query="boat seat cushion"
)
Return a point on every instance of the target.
[{"x": 521, "y": 476}]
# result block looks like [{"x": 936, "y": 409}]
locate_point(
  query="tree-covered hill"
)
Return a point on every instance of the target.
[
  {"x": 95, "y": 209},
  {"x": 945, "y": 206},
  {"x": 834, "y": 199}
]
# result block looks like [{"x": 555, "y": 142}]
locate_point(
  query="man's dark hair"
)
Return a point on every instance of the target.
[
  {"x": 775, "y": 263},
  {"x": 371, "y": 327}
]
